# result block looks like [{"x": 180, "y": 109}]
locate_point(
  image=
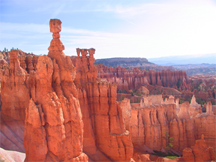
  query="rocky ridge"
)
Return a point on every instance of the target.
[
  {"x": 132, "y": 79},
  {"x": 104, "y": 129},
  {"x": 154, "y": 120}
]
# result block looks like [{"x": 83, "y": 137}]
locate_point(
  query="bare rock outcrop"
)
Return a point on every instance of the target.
[
  {"x": 105, "y": 134},
  {"x": 53, "y": 122},
  {"x": 132, "y": 79},
  {"x": 200, "y": 152},
  {"x": 59, "y": 103},
  {"x": 151, "y": 126},
  {"x": 11, "y": 133},
  {"x": 14, "y": 92},
  {"x": 195, "y": 108}
]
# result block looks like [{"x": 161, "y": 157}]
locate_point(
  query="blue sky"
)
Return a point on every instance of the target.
[{"x": 115, "y": 28}]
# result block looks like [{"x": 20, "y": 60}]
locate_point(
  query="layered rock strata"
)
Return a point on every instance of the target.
[
  {"x": 200, "y": 152},
  {"x": 53, "y": 121},
  {"x": 55, "y": 91},
  {"x": 133, "y": 79},
  {"x": 11, "y": 133},
  {"x": 151, "y": 126},
  {"x": 14, "y": 89},
  {"x": 105, "y": 135}
]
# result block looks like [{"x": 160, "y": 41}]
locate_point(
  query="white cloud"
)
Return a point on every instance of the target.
[
  {"x": 172, "y": 28},
  {"x": 153, "y": 30}
]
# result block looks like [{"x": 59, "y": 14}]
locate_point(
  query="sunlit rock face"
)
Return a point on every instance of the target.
[
  {"x": 53, "y": 121},
  {"x": 133, "y": 79},
  {"x": 14, "y": 91},
  {"x": 151, "y": 122},
  {"x": 199, "y": 152},
  {"x": 105, "y": 134},
  {"x": 55, "y": 98}
]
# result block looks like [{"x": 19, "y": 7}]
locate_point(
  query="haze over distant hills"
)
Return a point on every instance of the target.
[
  {"x": 182, "y": 60},
  {"x": 123, "y": 61},
  {"x": 142, "y": 63},
  {"x": 192, "y": 65}
]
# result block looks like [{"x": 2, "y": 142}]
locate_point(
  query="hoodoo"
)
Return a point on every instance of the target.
[
  {"x": 53, "y": 122},
  {"x": 105, "y": 134}
]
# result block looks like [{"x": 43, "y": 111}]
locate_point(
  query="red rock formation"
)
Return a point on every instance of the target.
[
  {"x": 14, "y": 84},
  {"x": 105, "y": 136},
  {"x": 126, "y": 111},
  {"x": 143, "y": 90},
  {"x": 184, "y": 113},
  {"x": 14, "y": 91},
  {"x": 53, "y": 122},
  {"x": 11, "y": 133},
  {"x": 141, "y": 157},
  {"x": 133, "y": 79},
  {"x": 209, "y": 108},
  {"x": 195, "y": 108},
  {"x": 51, "y": 110},
  {"x": 199, "y": 152},
  {"x": 150, "y": 122}
]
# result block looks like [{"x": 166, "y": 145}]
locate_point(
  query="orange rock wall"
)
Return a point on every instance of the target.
[
  {"x": 11, "y": 133},
  {"x": 149, "y": 124},
  {"x": 105, "y": 136},
  {"x": 14, "y": 89},
  {"x": 200, "y": 152},
  {"x": 62, "y": 104},
  {"x": 133, "y": 79},
  {"x": 53, "y": 123}
]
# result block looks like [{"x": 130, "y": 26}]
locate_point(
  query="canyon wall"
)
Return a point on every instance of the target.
[
  {"x": 152, "y": 124},
  {"x": 53, "y": 123},
  {"x": 199, "y": 152},
  {"x": 40, "y": 92},
  {"x": 11, "y": 133},
  {"x": 14, "y": 92},
  {"x": 105, "y": 135},
  {"x": 65, "y": 109},
  {"x": 132, "y": 79}
]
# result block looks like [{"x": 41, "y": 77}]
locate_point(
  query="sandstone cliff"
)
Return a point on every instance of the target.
[
  {"x": 132, "y": 79},
  {"x": 200, "y": 152},
  {"x": 11, "y": 133},
  {"x": 152, "y": 123},
  {"x": 105, "y": 136},
  {"x": 61, "y": 104},
  {"x": 53, "y": 122},
  {"x": 14, "y": 92}
]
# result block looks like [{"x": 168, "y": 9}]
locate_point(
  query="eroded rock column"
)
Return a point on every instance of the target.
[
  {"x": 14, "y": 92},
  {"x": 55, "y": 131}
]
